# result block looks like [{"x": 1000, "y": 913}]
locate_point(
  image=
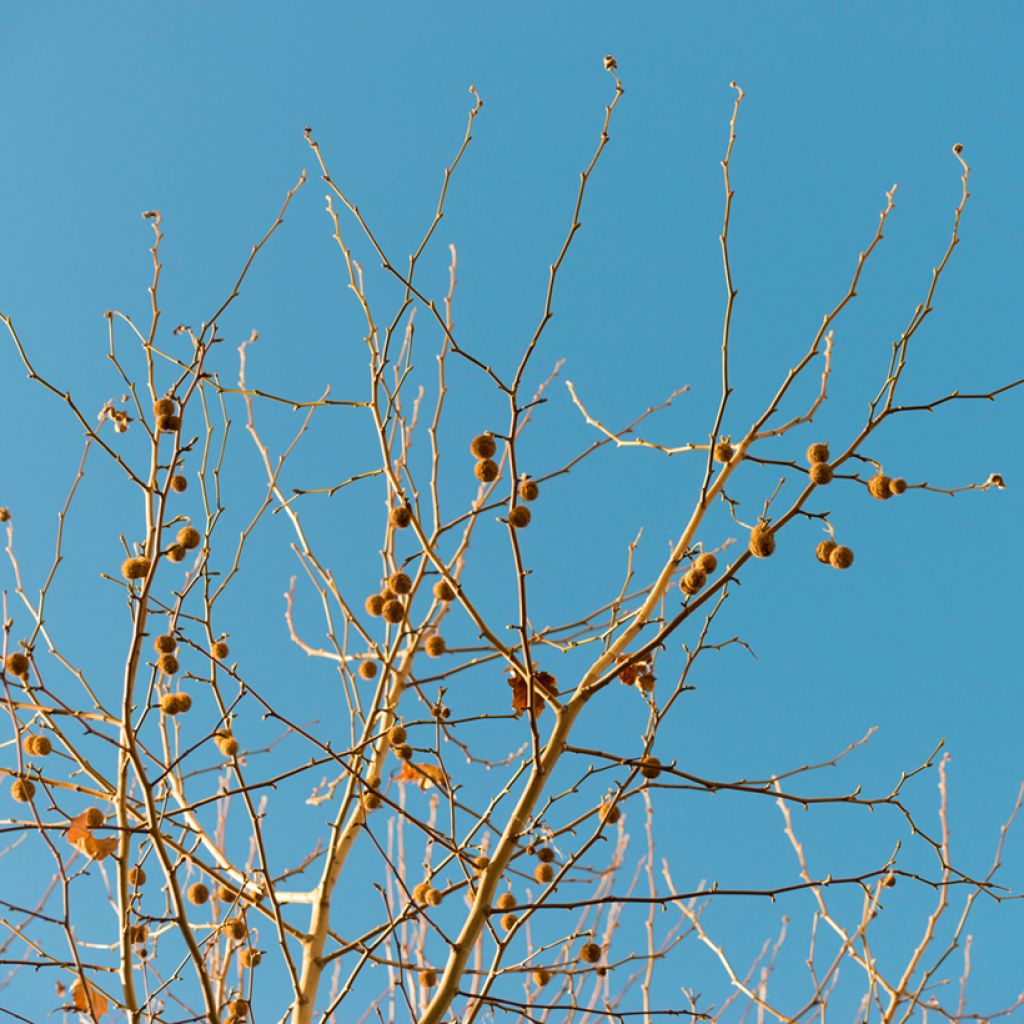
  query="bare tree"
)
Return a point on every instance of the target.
[{"x": 450, "y": 882}]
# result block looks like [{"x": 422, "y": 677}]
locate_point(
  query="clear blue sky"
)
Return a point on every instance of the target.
[{"x": 198, "y": 110}]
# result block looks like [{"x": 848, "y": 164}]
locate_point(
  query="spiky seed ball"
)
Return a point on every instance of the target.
[
  {"x": 164, "y": 407},
  {"x": 94, "y": 818},
  {"x": 371, "y": 801},
  {"x": 529, "y": 490},
  {"x": 136, "y": 877},
  {"x": 165, "y": 643},
  {"x": 38, "y": 746},
  {"x": 486, "y": 470},
  {"x": 820, "y": 474},
  {"x": 590, "y": 953},
  {"x": 403, "y": 751},
  {"x": 695, "y": 579},
  {"x": 137, "y": 934},
  {"x": 878, "y": 487},
  {"x": 400, "y": 583},
  {"x": 227, "y": 744},
  {"x": 23, "y": 790},
  {"x": 176, "y": 553},
  {"x": 374, "y": 604},
  {"x": 435, "y": 646},
  {"x": 483, "y": 446},
  {"x": 824, "y": 550},
  {"x": 219, "y": 650},
  {"x": 841, "y": 558},
  {"x": 250, "y": 957},
  {"x": 897, "y": 485},
  {"x": 817, "y": 453},
  {"x": 544, "y": 873},
  {"x": 367, "y": 669},
  {"x": 419, "y": 891},
  {"x": 610, "y": 812},
  {"x": 506, "y": 901},
  {"x": 188, "y": 537},
  {"x": 508, "y": 922},
  {"x": 16, "y": 663},
  {"x": 238, "y": 1007},
  {"x": 433, "y": 897},
  {"x": 762, "y": 542},
  {"x": 400, "y": 517},
  {"x": 428, "y": 978},
  {"x": 397, "y": 734},
  {"x": 168, "y": 664},
  {"x": 723, "y": 451},
  {"x": 889, "y": 881},
  {"x": 5, "y": 515},
  {"x": 650, "y": 767},
  {"x": 481, "y": 862},
  {"x": 234, "y": 928},
  {"x": 393, "y": 611},
  {"x": 545, "y": 855},
  {"x": 387, "y": 594},
  {"x": 135, "y": 568},
  {"x": 169, "y": 424},
  {"x": 225, "y": 893},
  {"x": 443, "y": 591},
  {"x": 519, "y": 516},
  {"x": 184, "y": 702},
  {"x": 170, "y": 703},
  {"x": 198, "y": 894},
  {"x": 707, "y": 562},
  {"x": 541, "y": 977},
  {"x": 179, "y": 484}
]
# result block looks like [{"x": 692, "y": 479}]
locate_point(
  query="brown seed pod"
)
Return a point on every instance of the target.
[
  {"x": 219, "y": 650},
  {"x": 393, "y": 611},
  {"x": 137, "y": 934},
  {"x": 590, "y": 953},
  {"x": 481, "y": 862},
  {"x": 841, "y": 558},
  {"x": 428, "y": 978},
  {"x": 238, "y": 1008},
  {"x": 234, "y": 928},
  {"x": 23, "y": 790},
  {"x": 723, "y": 451},
  {"x": 820, "y": 474},
  {"x": 695, "y": 579},
  {"x": 443, "y": 591},
  {"x": 486, "y": 470},
  {"x": 176, "y": 553},
  {"x": 419, "y": 892},
  {"x": 529, "y": 490},
  {"x": 544, "y": 873},
  {"x": 169, "y": 424},
  {"x": 94, "y": 818},
  {"x": 387, "y": 594},
  {"x": 545, "y": 855},
  {"x": 367, "y": 669},
  {"x": 374, "y": 604},
  {"x": 188, "y": 537},
  {"x": 707, "y": 562},
  {"x": 519, "y": 516},
  {"x": 164, "y": 407},
  {"x": 165, "y": 643},
  {"x": 168, "y": 664},
  {"x": 878, "y": 487},
  {"x": 506, "y": 901},
  {"x": 179, "y": 484},
  {"x": 824, "y": 550},
  {"x": 172, "y": 704},
  {"x": 225, "y": 893},
  {"x": 403, "y": 751},
  {"x": 482, "y": 446},
  {"x": 16, "y": 663},
  {"x": 433, "y": 897},
  {"x": 136, "y": 877},
  {"x": 135, "y": 568},
  {"x": 889, "y": 881},
  {"x": 5, "y": 514},
  {"x": 226, "y": 744},
  {"x": 650, "y": 767},
  {"x": 508, "y": 922},
  {"x": 541, "y": 977},
  {"x": 646, "y": 681},
  {"x": 397, "y": 734},
  {"x": 897, "y": 485},
  {"x": 817, "y": 453},
  {"x": 400, "y": 583},
  {"x": 435, "y": 646},
  {"x": 198, "y": 894},
  {"x": 250, "y": 957},
  {"x": 400, "y": 517},
  {"x": 371, "y": 801},
  {"x": 609, "y": 812},
  {"x": 37, "y": 746},
  {"x": 762, "y": 542},
  {"x": 184, "y": 702}
]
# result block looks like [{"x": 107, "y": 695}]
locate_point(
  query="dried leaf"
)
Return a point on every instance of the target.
[
  {"x": 424, "y": 775},
  {"x": 543, "y": 682},
  {"x": 80, "y": 836},
  {"x": 87, "y": 1000}
]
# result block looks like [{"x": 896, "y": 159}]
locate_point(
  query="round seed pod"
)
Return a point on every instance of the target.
[
  {"x": 136, "y": 877},
  {"x": 393, "y": 611},
  {"x": 371, "y": 801},
  {"x": 433, "y": 897},
  {"x": 508, "y": 922},
  {"x": 94, "y": 818},
  {"x": 820, "y": 474},
  {"x": 695, "y": 579},
  {"x": 486, "y": 470},
  {"x": 590, "y": 953},
  {"x": 188, "y": 537},
  {"x": 824, "y": 550},
  {"x": 176, "y": 553},
  {"x": 878, "y": 487},
  {"x": 219, "y": 650},
  {"x": 897, "y": 485},
  {"x": 545, "y": 855},
  {"x": 169, "y": 424},
  {"x": 519, "y": 516},
  {"x": 483, "y": 446},
  {"x": 707, "y": 562},
  {"x": 250, "y": 957},
  {"x": 544, "y": 873},
  {"x": 387, "y": 594},
  {"x": 225, "y": 894},
  {"x": 135, "y": 568},
  {"x": 400, "y": 583},
  {"x": 817, "y": 453},
  {"x": 170, "y": 703},
  {"x": 506, "y": 901},
  {"x": 443, "y": 591},
  {"x": 184, "y": 702},
  {"x": 23, "y": 790},
  {"x": 541, "y": 977},
  {"x": 5, "y": 514},
  {"x": 435, "y": 646},
  {"x": 397, "y": 734},
  {"x": 164, "y": 407},
  {"x": 762, "y": 542},
  {"x": 39, "y": 746},
  {"x": 650, "y": 767},
  {"x": 428, "y": 978},
  {"x": 165, "y": 643},
  {"x": 198, "y": 894},
  {"x": 529, "y": 490},
  {"x": 16, "y": 663},
  {"x": 137, "y": 934},
  {"x": 609, "y": 812},
  {"x": 419, "y": 892},
  {"x": 367, "y": 669},
  {"x": 481, "y": 863},
  {"x": 403, "y": 751},
  {"x": 226, "y": 744},
  {"x": 723, "y": 451},
  {"x": 179, "y": 484},
  {"x": 400, "y": 517},
  {"x": 168, "y": 664},
  {"x": 238, "y": 1008},
  {"x": 374, "y": 605},
  {"x": 841, "y": 558},
  {"x": 234, "y": 928}
]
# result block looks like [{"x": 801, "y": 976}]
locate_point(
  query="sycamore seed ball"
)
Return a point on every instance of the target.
[
  {"x": 428, "y": 978},
  {"x": 443, "y": 591},
  {"x": 820, "y": 474},
  {"x": 387, "y": 594},
  {"x": 135, "y": 568},
  {"x": 481, "y": 862},
  {"x": 506, "y": 901},
  {"x": 400, "y": 583},
  {"x": 238, "y": 1008},
  {"x": 590, "y": 953},
  {"x": 5, "y": 514},
  {"x": 138, "y": 933},
  {"x": 94, "y": 818},
  {"x": 393, "y": 611},
  {"x": 179, "y": 484},
  {"x": 403, "y": 752},
  {"x": 707, "y": 562},
  {"x": 400, "y": 517},
  {"x": 545, "y": 855},
  {"x": 897, "y": 485},
  {"x": 169, "y": 424},
  {"x": 824, "y": 551},
  {"x": 817, "y": 453},
  {"x": 650, "y": 767},
  {"x": 168, "y": 664},
  {"x": 367, "y": 669},
  {"x": 176, "y": 553},
  {"x": 165, "y": 643},
  {"x": 433, "y": 897},
  {"x": 841, "y": 558},
  {"x": 234, "y": 928},
  {"x": 23, "y": 790},
  {"x": 508, "y": 922},
  {"x": 723, "y": 451},
  {"x": 374, "y": 605},
  {"x": 483, "y": 446},
  {"x": 198, "y": 894},
  {"x": 435, "y": 646},
  {"x": 610, "y": 812},
  {"x": 486, "y": 470},
  {"x": 250, "y": 957},
  {"x": 136, "y": 876},
  {"x": 519, "y": 516},
  {"x": 227, "y": 744},
  {"x": 219, "y": 650},
  {"x": 695, "y": 579},
  {"x": 544, "y": 873},
  {"x": 16, "y": 663},
  {"x": 188, "y": 537},
  {"x": 529, "y": 490},
  {"x": 762, "y": 542},
  {"x": 164, "y": 407},
  {"x": 371, "y": 801},
  {"x": 419, "y": 892},
  {"x": 397, "y": 734},
  {"x": 541, "y": 977},
  {"x": 878, "y": 486}
]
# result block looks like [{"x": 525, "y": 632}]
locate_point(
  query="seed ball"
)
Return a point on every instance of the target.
[
  {"x": 419, "y": 891},
  {"x": 878, "y": 487},
  {"x": 897, "y": 485},
  {"x": 817, "y": 453},
  {"x": 169, "y": 704},
  {"x": 397, "y": 734},
  {"x": 824, "y": 551},
  {"x": 367, "y": 669},
  {"x": 508, "y": 922},
  {"x": 227, "y": 744},
  {"x": 137, "y": 934},
  {"x": 723, "y": 451},
  {"x": 169, "y": 424},
  {"x": 168, "y": 664},
  {"x": 435, "y": 646},
  {"x": 486, "y": 470},
  {"x": 23, "y": 790},
  {"x": 433, "y": 897},
  {"x": 483, "y": 446},
  {"x": 762, "y": 542},
  {"x": 5, "y": 515},
  {"x": 696, "y": 578},
  {"x": 39, "y": 746},
  {"x": 519, "y": 516},
  {"x": 164, "y": 407},
  {"x": 443, "y": 591},
  {"x": 198, "y": 894},
  {"x": 135, "y": 568},
  {"x": 403, "y": 751},
  {"x": 234, "y": 928},
  {"x": 428, "y": 978},
  {"x": 820, "y": 474},
  {"x": 650, "y": 767},
  {"x": 176, "y": 553},
  {"x": 387, "y": 594},
  {"x": 238, "y": 1008},
  {"x": 841, "y": 558},
  {"x": 184, "y": 702},
  {"x": 188, "y": 537},
  {"x": 219, "y": 650},
  {"x": 707, "y": 562},
  {"x": 544, "y": 873},
  {"x": 506, "y": 901},
  {"x": 541, "y": 977},
  {"x": 590, "y": 953},
  {"x": 400, "y": 583},
  {"x": 225, "y": 894},
  {"x": 179, "y": 484},
  {"x": 400, "y": 517},
  {"x": 371, "y": 801},
  {"x": 374, "y": 604},
  {"x": 136, "y": 877},
  {"x": 16, "y": 663},
  {"x": 481, "y": 863},
  {"x": 545, "y": 855},
  {"x": 250, "y": 957},
  {"x": 610, "y": 812},
  {"x": 393, "y": 611},
  {"x": 165, "y": 643},
  {"x": 94, "y": 818},
  {"x": 529, "y": 491}
]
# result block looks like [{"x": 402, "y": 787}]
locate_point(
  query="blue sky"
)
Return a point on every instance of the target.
[{"x": 199, "y": 111}]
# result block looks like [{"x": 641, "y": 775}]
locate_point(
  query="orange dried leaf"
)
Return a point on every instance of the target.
[
  {"x": 80, "y": 836},
  {"x": 543, "y": 682},
  {"x": 88, "y": 1000},
  {"x": 424, "y": 775}
]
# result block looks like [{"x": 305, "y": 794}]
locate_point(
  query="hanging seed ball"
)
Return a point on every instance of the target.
[
  {"x": 434, "y": 898},
  {"x": 184, "y": 702},
  {"x": 519, "y": 516},
  {"x": 762, "y": 542},
  {"x": 508, "y": 922},
  {"x": 435, "y": 646},
  {"x": 137, "y": 934},
  {"x": 198, "y": 894},
  {"x": 544, "y": 873},
  {"x": 371, "y": 801},
  {"x": 135, "y": 568},
  {"x": 506, "y": 901},
  {"x": 723, "y": 451},
  {"x": 650, "y": 767},
  {"x": 545, "y": 855},
  {"x": 387, "y": 594},
  {"x": 94, "y": 818},
  {"x": 226, "y": 744},
  {"x": 225, "y": 894},
  {"x": 5, "y": 514},
  {"x": 176, "y": 553},
  {"x": 419, "y": 891},
  {"x": 188, "y": 537},
  {"x": 23, "y": 790},
  {"x": 443, "y": 591},
  {"x": 695, "y": 579},
  {"x": 393, "y": 611},
  {"x": 707, "y": 562},
  {"x": 374, "y": 604},
  {"x": 403, "y": 751},
  {"x": 367, "y": 669},
  {"x": 397, "y": 734},
  {"x": 878, "y": 486},
  {"x": 481, "y": 863},
  {"x": 169, "y": 424},
  {"x": 486, "y": 470},
  {"x": 610, "y": 812},
  {"x": 234, "y": 928},
  {"x": 168, "y": 664},
  {"x": 219, "y": 650},
  {"x": 38, "y": 746},
  {"x": 590, "y": 953},
  {"x": 136, "y": 877},
  {"x": 428, "y": 978},
  {"x": 400, "y": 583},
  {"x": 250, "y": 957},
  {"x": 817, "y": 453},
  {"x": 529, "y": 490},
  {"x": 170, "y": 703},
  {"x": 820, "y": 474},
  {"x": 164, "y": 407},
  {"x": 400, "y": 517},
  {"x": 541, "y": 977},
  {"x": 841, "y": 558},
  {"x": 179, "y": 484},
  {"x": 482, "y": 446},
  {"x": 824, "y": 550},
  {"x": 165, "y": 643},
  {"x": 16, "y": 663},
  {"x": 238, "y": 1008},
  {"x": 897, "y": 485}
]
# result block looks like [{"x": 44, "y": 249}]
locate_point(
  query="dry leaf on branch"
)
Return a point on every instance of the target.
[
  {"x": 89, "y": 1001},
  {"x": 80, "y": 836},
  {"x": 543, "y": 682},
  {"x": 424, "y": 775}
]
